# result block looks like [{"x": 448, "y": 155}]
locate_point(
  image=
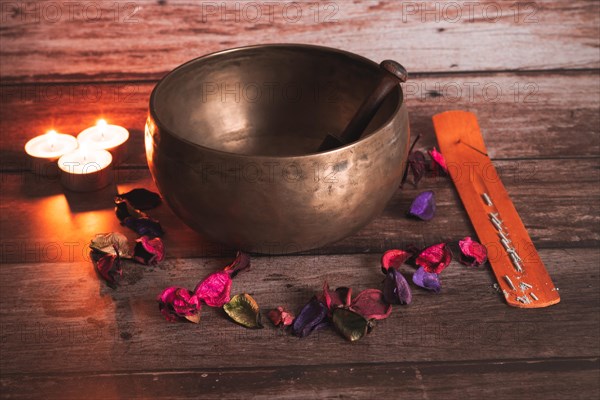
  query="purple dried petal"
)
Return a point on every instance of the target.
[
  {"x": 472, "y": 253},
  {"x": 427, "y": 280},
  {"x": 144, "y": 226},
  {"x": 108, "y": 267},
  {"x": 215, "y": 289},
  {"x": 241, "y": 263},
  {"x": 438, "y": 159},
  {"x": 394, "y": 259},
  {"x": 142, "y": 199},
  {"x": 313, "y": 316},
  {"x": 148, "y": 250},
  {"x": 435, "y": 259},
  {"x": 177, "y": 303},
  {"x": 396, "y": 289},
  {"x": 423, "y": 206},
  {"x": 125, "y": 210},
  {"x": 370, "y": 304}
]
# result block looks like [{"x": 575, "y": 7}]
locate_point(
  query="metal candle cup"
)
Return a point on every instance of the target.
[
  {"x": 45, "y": 150},
  {"x": 104, "y": 136},
  {"x": 86, "y": 170}
]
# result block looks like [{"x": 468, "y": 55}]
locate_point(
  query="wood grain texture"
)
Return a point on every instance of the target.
[
  {"x": 558, "y": 201},
  {"x": 554, "y": 379},
  {"x": 61, "y": 319},
  {"x": 522, "y": 115},
  {"x": 144, "y": 39}
]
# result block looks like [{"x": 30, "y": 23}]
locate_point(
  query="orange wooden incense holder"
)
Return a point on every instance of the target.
[{"x": 516, "y": 263}]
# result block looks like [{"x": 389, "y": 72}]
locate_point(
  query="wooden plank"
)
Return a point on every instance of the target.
[
  {"x": 521, "y": 115},
  {"x": 557, "y": 200},
  {"x": 60, "y": 318},
  {"x": 144, "y": 39},
  {"x": 563, "y": 378}
]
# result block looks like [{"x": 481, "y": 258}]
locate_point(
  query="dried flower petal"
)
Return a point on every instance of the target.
[
  {"x": 416, "y": 162},
  {"x": 370, "y": 304},
  {"x": 144, "y": 226},
  {"x": 339, "y": 297},
  {"x": 111, "y": 243},
  {"x": 472, "y": 253},
  {"x": 427, "y": 280},
  {"x": 241, "y": 262},
  {"x": 108, "y": 267},
  {"x": 215, "y": 289},
  {"x": 244, "y": 310},
  {"x": 394, "y": 259},
  {"x": 435, "y": 259},
  {"x": 438, "y": 159},
  {"x": 349, "y": 324},
  {"x": 142, "y": 199},
  {"x": 280, "y": 317},
  {"x": 423, "y": 206},
  {"x": 177, "y": 303},
  {"x": 312, "y": 317},
  {"x": 396, "y": 289},
  {"x": 148, "y": 250},
  {"x": 125, "y": 210}
]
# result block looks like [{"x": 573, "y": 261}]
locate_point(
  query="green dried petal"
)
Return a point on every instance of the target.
[
  {"x": 351, "y": 325},
  {"x": 244, "y": 310},
  {"x": 106, "y": 243}
]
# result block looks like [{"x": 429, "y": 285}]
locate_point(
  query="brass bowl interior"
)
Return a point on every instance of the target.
[{"x": 267, "y": 101}]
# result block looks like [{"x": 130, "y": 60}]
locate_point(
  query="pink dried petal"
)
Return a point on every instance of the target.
[
  {"x": 472, "y": 253},
  {"x": 241, "y": 262},
  {"x": 280, "y": 317},
  {"x": 177, "y": 303},
  {"x": 370, "y": 304},
  {"x": 394, "y": 259},
  {"x": 435, "y": 259},
  {"x": 149, "y": 250},
  {"x": 438, "y": 159},
  {"x": 215, "y": 289}
]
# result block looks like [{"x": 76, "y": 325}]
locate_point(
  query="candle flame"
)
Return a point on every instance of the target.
[
  {"x": 101, "y": 124},
  {"x": 52, "y": 138}
]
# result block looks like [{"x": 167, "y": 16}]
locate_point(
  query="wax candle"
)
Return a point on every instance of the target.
[
  {"x": 106, "y": 137},
  {"x": 86, "y": 169},
  {"x": 45, "y": 149}
]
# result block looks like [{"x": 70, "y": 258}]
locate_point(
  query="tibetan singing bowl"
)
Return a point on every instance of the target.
[{"x": 232, "y": 138}]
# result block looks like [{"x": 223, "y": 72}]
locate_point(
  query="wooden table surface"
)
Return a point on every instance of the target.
[{"x": 530, "y": 71}]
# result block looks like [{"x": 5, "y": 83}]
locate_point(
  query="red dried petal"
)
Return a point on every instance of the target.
[
  {"x": 394, "y": 259},
  {"x": 370, "y": 304},
  {"x": 280, "y": 317},
  {"x": 472, "y": 253},
  {"x": 149, "y": 250},
  {"x": 215, "y": 289},
  {"x": 438, "y": 159},
  {"x": 435, "y": 259},
  {"x": 241, "y": 262},
  {"x": 339, "y": 297},
  {"x": 108, "y": 267}
]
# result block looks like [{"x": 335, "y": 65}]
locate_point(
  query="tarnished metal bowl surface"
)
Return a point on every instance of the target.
[{"x": 231, "y": 143}]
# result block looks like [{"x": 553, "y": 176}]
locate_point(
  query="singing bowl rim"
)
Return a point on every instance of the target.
[{"x": 364, "y": 139}]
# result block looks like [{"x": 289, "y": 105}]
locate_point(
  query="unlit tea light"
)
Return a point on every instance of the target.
[
  {"x": 105, "y": 136},
  {"x": 86, "y": 169},
  {"x": 45, "y": 149}
]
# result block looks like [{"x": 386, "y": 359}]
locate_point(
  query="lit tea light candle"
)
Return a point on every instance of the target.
[
  {"x": 86, "y": 169},
  {"x": 106, "y": 137},
  {"x": 45, "y": 149}
]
